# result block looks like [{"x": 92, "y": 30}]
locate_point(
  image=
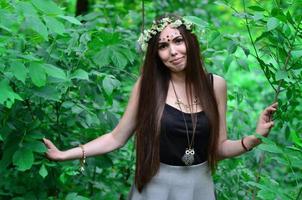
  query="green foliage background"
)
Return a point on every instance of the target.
[{"x": 68, "y": 79}]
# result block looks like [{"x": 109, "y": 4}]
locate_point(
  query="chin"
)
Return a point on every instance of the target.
[{"x": 177, "y": 69}]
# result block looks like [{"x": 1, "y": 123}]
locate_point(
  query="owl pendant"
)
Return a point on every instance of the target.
[{"x": 188, "y": 157}]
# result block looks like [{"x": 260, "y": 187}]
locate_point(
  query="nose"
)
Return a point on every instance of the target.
[{"x": 173, "y": 51}]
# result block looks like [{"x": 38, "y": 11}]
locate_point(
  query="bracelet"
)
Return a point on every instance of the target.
[
  {"x": 83, "y": 159},
  {"x": 243, "y": 145}
]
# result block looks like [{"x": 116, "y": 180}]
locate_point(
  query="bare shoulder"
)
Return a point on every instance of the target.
[
  {"x": 137, "y": 85},
  {"x": 219, "y": 83}
]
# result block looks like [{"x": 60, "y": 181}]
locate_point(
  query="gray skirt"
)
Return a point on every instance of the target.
[{"x": 178, "y": 183}]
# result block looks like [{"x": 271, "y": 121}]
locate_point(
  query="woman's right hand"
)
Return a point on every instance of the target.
[{"x": 53, "y": 153}]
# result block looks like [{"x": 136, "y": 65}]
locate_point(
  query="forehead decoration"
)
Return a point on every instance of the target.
[
  {"x": 169, "y": 37},
  {"x": 158, "y": 26}
]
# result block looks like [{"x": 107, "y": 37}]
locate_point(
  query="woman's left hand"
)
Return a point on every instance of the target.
[{"x": 265, "y": 122}]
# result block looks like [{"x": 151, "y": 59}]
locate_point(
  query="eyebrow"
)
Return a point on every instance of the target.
[{"x": 172, "y": 39}]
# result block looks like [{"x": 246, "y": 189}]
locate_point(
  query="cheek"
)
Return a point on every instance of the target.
[
  {"x": 183, "y": 49},
  {"x": 163, "y": 55}
]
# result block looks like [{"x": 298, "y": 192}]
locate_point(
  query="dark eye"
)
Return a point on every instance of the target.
[
  {"x": 162, "y": 46},
  {"x": 179, "y": 40}
]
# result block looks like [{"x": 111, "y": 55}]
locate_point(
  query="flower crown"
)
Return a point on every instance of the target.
[{"x": 158, "y": 26}]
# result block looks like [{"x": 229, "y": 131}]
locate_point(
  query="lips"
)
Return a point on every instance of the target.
[{"x": 176, "y": 61}]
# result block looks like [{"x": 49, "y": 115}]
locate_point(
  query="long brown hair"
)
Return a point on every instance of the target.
[{"x": 155, "y": 78}]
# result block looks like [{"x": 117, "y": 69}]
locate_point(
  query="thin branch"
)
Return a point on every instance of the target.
[
  {"x": 133, "y": 76},
  {"x": 287, "y": 61},
  {"x": 253, "y": 43},
  {"x": 278, "y": 90},
  {"x": 143, "y": 16}
]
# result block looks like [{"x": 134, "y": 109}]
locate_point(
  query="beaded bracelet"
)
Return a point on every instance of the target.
[
  {"x": 83, "y": 159},
  {"x": 243, "y": 145}
]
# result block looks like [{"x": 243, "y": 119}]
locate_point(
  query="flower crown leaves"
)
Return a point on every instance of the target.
[{"x": 192, "y": 23}]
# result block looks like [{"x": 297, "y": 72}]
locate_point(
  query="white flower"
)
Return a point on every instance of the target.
[
  {"x": 166, "y": 20},
  {"x": 176, "y": 24},
  {"x": 144, "y": 46},
  {"x": 158, "y": 27}
]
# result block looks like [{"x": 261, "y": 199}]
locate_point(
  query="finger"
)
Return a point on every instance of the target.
[
  {"x": 270, "y": 110},
  {"x": 274, "y": 106},
  {"x": 270, "y": 124},
  {"x": 49, "y": 144}
]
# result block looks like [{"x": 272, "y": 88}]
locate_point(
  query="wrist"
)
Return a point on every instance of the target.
[
  {"x": 249, "y": 142},
  {"x": 62, "y": 156}
]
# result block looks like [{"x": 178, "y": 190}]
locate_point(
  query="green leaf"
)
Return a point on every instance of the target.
[
  {"x": 70, "y": 19},
  {"x": 26, "y": 8},
  {"x": 5, "y": 28},
  {"x": 102, "y": 58},
  {"x": 256, "y": 8},
  {"x": 118, "y": 59},
  {"x": 232, "y": 47},
  {"x": 34, "y": 23},
  {"x": 270, "y": 148},
  {"x": 80, "y": 74},
  {"x": 295, "y": 138},
  {"x": 19, "y": 71},
  {"x": 43, "y": 171},
  {"x": 37, "y": 74},
  {"x": 54, "y": 25},
  {"x": 7, "y": 95},
  {"x": 110, "y": 83},
  {"x": 280, "y": 75},
  {"x": 243, "y": 64},
  {"x": 30, "y": 57},
  {"x": 36, "y": 146},
  {"x": 196, "y": 21},
  {"x": 75, "y": 196},
  {"x": 264, "y": 139},
  {"x": 129, "y": 54},
  {"x": 55, "y": 71},
  {"x": 35, "y": 135},
  {"x": 278, "y": 13},
  {"x": 227, "y": 63},
  {"x": 47, "y": 7},
  {"x": 105, "y": 161},
  {"x": 23, "y": 159},
  {"x": 48, "y": 92},
  {"x": 214, "y": 35},
  {"x": 245, "y": 50},
  {"x": 296, "y": 54},
  {"x": 272, "y": 23},
  {"x": 258, "y": 16},
  {"x": 289, "y": 17},
  {"x": 264, "y": 194}
]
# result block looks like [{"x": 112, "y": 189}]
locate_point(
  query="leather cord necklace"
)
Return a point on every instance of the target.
[{"x": 188, "y": 157}]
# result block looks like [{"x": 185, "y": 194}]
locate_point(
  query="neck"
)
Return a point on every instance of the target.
[{"x": 178, "y": 78}]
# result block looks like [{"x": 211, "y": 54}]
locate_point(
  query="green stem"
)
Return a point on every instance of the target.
[
  {"x": 143, "y": 16},
  {"x": 253, "y": 44},
  {"x": 27, "y": 102},
  {"x": 91, "y": 182},
  {"x": 291, "y": 168},
  {"x": 278, "y": 90},
  {"x": 133, "y": 76},
  {"x": 300, "y": 192}
]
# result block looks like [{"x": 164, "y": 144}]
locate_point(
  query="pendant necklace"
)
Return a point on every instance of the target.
[{"x": 188, "y": 157}]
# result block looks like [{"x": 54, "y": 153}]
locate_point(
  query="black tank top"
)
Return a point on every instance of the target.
[{"x": 173, "y": 136}]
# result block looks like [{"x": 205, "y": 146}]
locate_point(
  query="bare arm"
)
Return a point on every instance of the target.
[
  {"x": 105, "y": 143},
  {"x": 230, "y": 148}
]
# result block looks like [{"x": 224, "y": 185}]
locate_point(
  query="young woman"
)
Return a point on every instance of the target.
[{"x": 178, "y": 112}]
